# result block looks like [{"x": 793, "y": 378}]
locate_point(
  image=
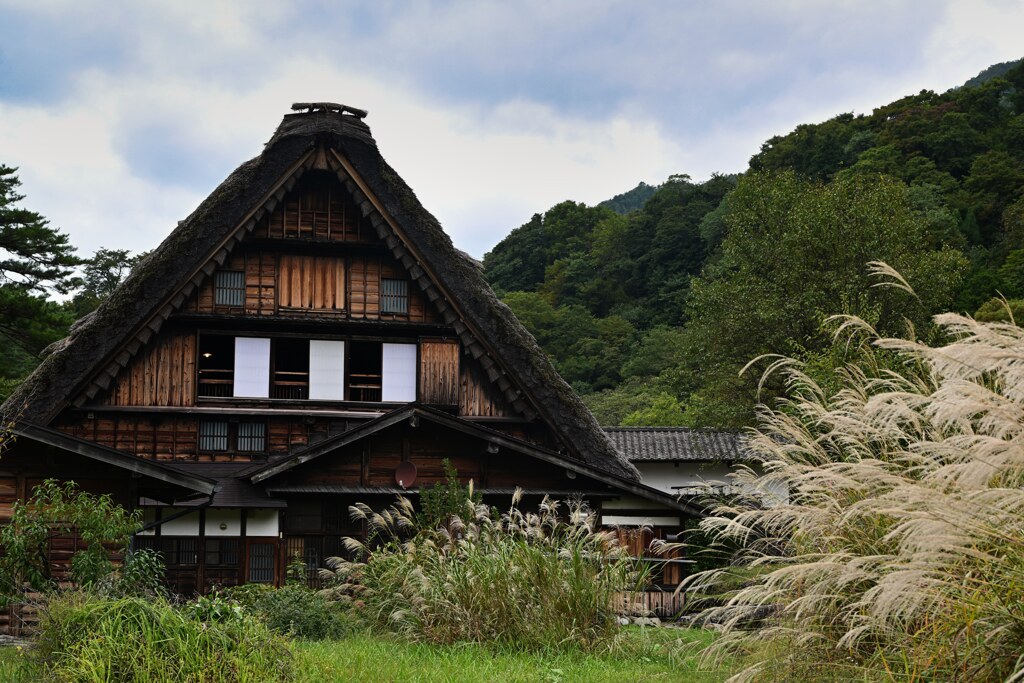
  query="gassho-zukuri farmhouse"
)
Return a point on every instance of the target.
[{"x": 307, "y": 339}]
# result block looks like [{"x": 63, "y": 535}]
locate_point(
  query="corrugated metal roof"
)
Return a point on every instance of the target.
[{"x": 655, "y": 444}]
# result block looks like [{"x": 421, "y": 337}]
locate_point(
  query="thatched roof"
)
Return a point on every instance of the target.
[{"x": 101, "y": 343}]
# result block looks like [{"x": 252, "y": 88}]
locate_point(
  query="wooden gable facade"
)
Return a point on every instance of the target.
[{"x": 305, "y": 339}]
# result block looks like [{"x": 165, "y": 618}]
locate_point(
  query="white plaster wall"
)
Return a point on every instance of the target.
[
  {"x": 667, "y": 476},
  {"x": 262, "y": 522},
  {"x": 637, "y": 520},
  {"x": 696, "y": 477},
  {"x": 217, "y": 516},
  {"x": 183, "y": 526}
]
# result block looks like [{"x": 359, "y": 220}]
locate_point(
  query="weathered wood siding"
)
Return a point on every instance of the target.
[
  {"x": 293, "y": 284},
  {"x": 163, "y": 374},
  {"x": 439, "y": 371},
  {"x": 260, "y": 272},
  {"x": 163, "y": 437},
  {"x": 478, "y": 397},
  {"x": 317, "y": 208},
  {"x": 311, "y": 282}
]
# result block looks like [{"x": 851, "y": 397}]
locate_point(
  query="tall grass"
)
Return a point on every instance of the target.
[
  {"x": 899, "y": 554},
  {"x": 89, "y": 639},
  {"x": 519, "y": 580}
]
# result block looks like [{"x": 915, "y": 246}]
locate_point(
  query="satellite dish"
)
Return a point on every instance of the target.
[{"x": 405, "y": 475}]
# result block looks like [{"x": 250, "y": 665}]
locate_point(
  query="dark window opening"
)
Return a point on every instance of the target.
[
  {"x": 222, "y": 551},
  {"x": 291, "y": 368},
  {"x": 213, "y": 436},
  {"x": 216, "y": 365},
  {"x": 394, "y": 296},
  {"x": 252, "y": 437},
  {"x": 229, "y": 288},
  {"x": 261, "y": 562},
  {"x": 364, "y": 376},
  {"x": 223, "y": 436}
]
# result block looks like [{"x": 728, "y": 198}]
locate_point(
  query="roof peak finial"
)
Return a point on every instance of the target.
[{"x": 332, "y": 107}]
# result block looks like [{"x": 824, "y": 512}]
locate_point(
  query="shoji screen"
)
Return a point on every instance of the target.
[
  {"x": 326, "y": 370},
  {"x": 399, "y": 373},
  {"x": 252, "y": 367}
]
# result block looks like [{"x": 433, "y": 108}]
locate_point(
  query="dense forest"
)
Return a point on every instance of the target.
[{"x": 652, "y": 312}]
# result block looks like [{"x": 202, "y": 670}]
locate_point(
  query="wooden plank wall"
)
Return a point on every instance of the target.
[
  {"x": 478, "y": 396},
  {"x": 439, "y": 371},
  {"x": 317, "y": 208},
  {"x": 163, "y": 374},
  {"x": 260, "y": 268},
  {"x": 312, "y": 282},
  {"x": 8, "y": 494},
  {"x": 176, "y": 437},
  {"x": 299, "y": 285},
  {"x": 372, "y": 462}
]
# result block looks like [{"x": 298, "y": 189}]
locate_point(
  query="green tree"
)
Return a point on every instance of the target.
[
  {"x": 37, "y": 261},
  {"x": 795, "y": 251},
  {"x": 664, "y": 410},
  {"x": 62, "y": 509},
  {"x": 100, "y": 277}
]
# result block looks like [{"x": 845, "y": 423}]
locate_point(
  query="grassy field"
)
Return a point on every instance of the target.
[{"x": 644, "y": 655}]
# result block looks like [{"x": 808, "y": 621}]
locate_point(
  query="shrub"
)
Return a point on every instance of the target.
[
  {"x": 901, "y": 544},
  {"x": 521, "y": 580},
  {"x": 136, "y": 640},
  {"x": 295, "y": 610},
  {"x": 56, "y": 509},
  {"x": 141, "y": 574}
]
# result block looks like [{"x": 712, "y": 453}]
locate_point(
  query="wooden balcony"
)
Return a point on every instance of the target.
[
  {"x": 216, "y": 383},
  {"x": 290, "y": 385}
]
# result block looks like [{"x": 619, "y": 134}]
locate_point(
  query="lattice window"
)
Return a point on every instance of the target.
[
  {"x": 229, "y": 288},
  {"x": 222, "y": 551},
  {"x": 213, "y": 436},
  {"x": 261, "y": 562},
  {"x": 394, "y": 296},
  {"x": 252, "y": 437}
]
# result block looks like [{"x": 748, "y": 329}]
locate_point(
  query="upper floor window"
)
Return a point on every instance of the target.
[
  {"x": 394, "y": 296},
  {"x": 222, "y": 436},
  {"x": 213, "y": 435},
  {"x": 229, "y": 288},
  {"x": 293, "y": 368}
]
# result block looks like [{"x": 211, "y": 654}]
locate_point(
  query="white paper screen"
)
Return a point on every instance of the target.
[
  {"x": 399, "y": 373},
  {"x": 252, "y": 367},
  {"x": 326, "y": 370}
]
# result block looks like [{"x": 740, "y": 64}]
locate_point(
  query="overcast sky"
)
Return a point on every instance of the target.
[{"x": 123, "y": 116}]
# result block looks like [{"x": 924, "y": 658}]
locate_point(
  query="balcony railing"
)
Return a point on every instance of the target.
[
  {"x": 364, "y": 387},
  {"x": 290, "y": 385},
  {"x": 216, "y": 383}
]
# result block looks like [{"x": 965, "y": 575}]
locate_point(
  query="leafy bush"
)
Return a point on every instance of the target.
[
  {"x": 56, "y": 509},
  {"x": 519, "y": 580},
  {"x": 295, "y": 610},
  {"x": 142, "y": 574},
  {"x": 901, "y": 543},
  {"x": 445, "y": 500},
  {"x": 136, "y": 640}
]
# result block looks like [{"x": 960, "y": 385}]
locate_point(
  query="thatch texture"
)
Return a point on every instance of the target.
[{"x": 154, "y": 285}]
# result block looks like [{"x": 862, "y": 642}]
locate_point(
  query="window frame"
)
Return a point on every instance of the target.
[
  {"x": 233, "y": 437},
  {"x": 232, "y": 292},
  {"x": 393, "y": 298}
]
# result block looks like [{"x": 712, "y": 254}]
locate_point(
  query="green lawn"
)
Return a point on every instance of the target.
[
  {"x": 645, "y": 655},
  {"x": 649, "y": 655}
]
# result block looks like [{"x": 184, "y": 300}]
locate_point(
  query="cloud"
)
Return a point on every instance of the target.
[{"x": 122, "y": 116}]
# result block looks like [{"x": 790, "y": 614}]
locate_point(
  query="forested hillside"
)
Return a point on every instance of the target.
[{"x": 652, "y": 315}]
